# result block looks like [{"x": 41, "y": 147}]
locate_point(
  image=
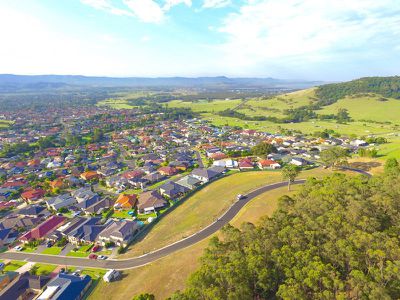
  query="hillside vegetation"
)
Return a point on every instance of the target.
[
  {"x": 385, "y": 86},
  {"x": 338, "y": 238}
]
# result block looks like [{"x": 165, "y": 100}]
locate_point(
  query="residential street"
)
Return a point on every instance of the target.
[{"x": 152, "y": 256}]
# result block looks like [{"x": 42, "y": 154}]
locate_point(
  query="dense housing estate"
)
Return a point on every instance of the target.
[{"x": 101, "y": 194}]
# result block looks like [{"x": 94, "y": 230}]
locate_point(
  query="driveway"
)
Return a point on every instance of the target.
[{"x": 66, "y": 249}]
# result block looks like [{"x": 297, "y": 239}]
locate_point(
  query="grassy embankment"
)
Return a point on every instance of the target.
[{"x": 170, "y": 273}]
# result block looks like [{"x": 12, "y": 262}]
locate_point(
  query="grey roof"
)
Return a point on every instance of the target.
[
  {"x": 172, "y": 189},
  {"x": 188, "y": 181},
  {"x": 121, "y": 229},
  {"x": 100, "y": 205},
  {"x": 205, "y": 173}
]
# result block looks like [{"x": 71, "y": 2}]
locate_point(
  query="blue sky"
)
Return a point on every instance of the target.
[{"x": 298, "y": 39}]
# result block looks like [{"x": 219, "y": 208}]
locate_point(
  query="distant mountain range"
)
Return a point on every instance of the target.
[{"x": 9, "y": 82}]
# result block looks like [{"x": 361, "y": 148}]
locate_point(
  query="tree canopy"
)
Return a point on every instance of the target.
[
  {"x": 263, "y": 149},
  {"x": 338, "y": 238},
  {"x": 334, "y": 157}
]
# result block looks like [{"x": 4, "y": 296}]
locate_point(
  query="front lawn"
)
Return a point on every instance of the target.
[
  {"x": 94, "y": 273},
  {"x": 52, "y": 250},
  {"x": 83, "y": 251},
  {"x": 29, "y": 249},
  {"x": 14, "y": 265},
  {"x": 43, "y": 269}
]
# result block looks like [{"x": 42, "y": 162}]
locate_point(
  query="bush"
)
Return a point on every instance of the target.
[
  {"x": 109, "y": 244},
  {"x": 121, "y": 250}
]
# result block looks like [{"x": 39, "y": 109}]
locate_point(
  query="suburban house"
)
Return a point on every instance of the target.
[
  {"x": 57, "y": 184},
  {"x": 226, "y": 163},
  {"x": 100, "y": 206},
  {"x": 119, "y": 232},
  {"x": 246, "y": 164},
  {"x": 43, "y": 229},
  {"x": 268, "y": 164},
  {"x": 33, "y": 211},
  {"x": 71, "y": 225},
  {"x": 167, "y": 171},
  {"x": 154, "y": 177},
  {"x": 189, "y": 181},
  {"x": 5, "y": 238},
  {"x": 299, "y": 161},
  {"x": 17, "y": 221},
  {"x": 90, "y": 175},
  {"x": 60, "y": 201},
  {"x": 150, "y": 201},
  {"x": 84, "y": 194},
  {"x": 87, "y": 231},
  {"x": 66, "y": 286},
  {"x": 173, "y": 190},
  {"x": 125, "y": 201},
  {"x": 24, "y": 286},
  {"x": 32, "y": 195},
  {"x": 205, "y": 175}
]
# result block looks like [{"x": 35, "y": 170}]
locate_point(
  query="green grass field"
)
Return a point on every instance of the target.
[
  {"x": 203, "y": 207},
  {"x": 205, "y": 106},
  {"x": 115, "y": 103},
  {"x": 367, "y": 108}
]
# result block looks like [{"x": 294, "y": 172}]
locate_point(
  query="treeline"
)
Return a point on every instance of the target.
[
  {"x": 337, "y": 238},
  {"x": 385, "y": 86},
  {"x": 163, "y": 112},
  {"x": 294, "y": 115},
  {"x": 235, "y": 114}
]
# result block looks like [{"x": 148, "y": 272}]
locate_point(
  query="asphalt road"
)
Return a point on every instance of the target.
[{"x": 135, "y": 262}]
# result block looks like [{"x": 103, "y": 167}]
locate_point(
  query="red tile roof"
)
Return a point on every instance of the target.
[{"x": 43, "y": 229}]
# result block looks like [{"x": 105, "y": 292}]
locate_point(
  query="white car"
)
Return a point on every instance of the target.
[
  {"x": 102, "y": 257},
  {"x": 240, "y": 197},
  {"x": 18, "y": 248}
]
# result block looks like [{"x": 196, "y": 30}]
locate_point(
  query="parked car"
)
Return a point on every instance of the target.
[
  {"x": 18, "y": 248},
  {"x": 103, "y": 257},
  {"x": 95, "y": 248},
  {"x": 49, "y": 244},
  {"x": 92, "y": 256}
]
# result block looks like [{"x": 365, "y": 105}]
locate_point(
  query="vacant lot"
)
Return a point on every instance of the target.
[
  {"x": 169, "y": 274},
  {"x": 202, "y": 208}
]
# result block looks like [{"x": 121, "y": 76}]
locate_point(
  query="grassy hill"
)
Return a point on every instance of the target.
[{"x": 386, "y": 86}]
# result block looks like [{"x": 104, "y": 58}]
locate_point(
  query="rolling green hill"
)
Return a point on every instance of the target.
[{"x": 385, "y": 86}]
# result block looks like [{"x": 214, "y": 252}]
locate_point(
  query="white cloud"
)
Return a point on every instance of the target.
[
  {"x": 171, "y": 3},
  {"x": 216, "y": 3},
  {"x": 147, "y": 11},
  {"x": 297, "y": 32},
  {"x": 106, "y": 6}
]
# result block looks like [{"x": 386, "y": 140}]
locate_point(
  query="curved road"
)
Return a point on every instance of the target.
[{"x": 135, "y": 262}]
